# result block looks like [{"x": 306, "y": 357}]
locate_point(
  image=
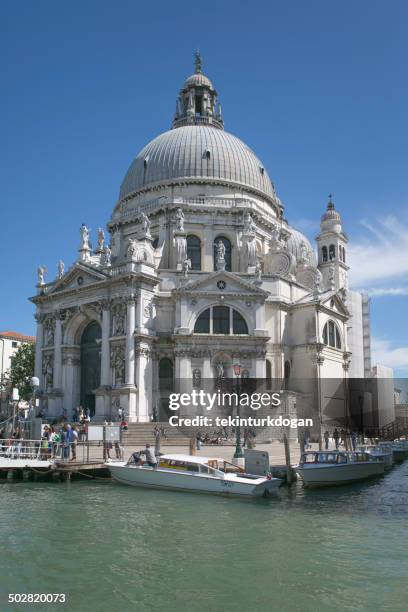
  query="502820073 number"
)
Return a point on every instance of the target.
[{"x": 36, "y": 598}]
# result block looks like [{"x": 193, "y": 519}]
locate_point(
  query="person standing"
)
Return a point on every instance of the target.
[
  {"x": 336, "y": 437},
  {"x": 326, "y": 440},
  {"x": 157, "y": 440},
  {"x": 353, "y": 437},
  {"x": 73, "y": 443}
]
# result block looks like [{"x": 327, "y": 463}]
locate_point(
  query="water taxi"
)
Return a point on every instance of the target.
[
  {"x": 382, "y": 452},
  {"x": 399, "y": 449},
  {"x": 193, "y": 473},
  {"x": 326, "y": 468}
]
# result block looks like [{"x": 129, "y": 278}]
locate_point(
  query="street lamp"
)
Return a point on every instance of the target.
[
  {"x": 35, "y": 383},
  {"x": 238, "y": 448}
]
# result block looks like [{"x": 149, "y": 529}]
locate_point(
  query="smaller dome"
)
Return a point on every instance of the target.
[
  {"x": 295, "y": 246},
  {"x": 198, "y": 80},
  {"x": 331, "y": 220}
]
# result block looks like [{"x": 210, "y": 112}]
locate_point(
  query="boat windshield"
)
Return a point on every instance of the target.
[
  {"x": 225, "y": 466},
  {"x": 323, "y": 458},
  {"x": 182, "y": 466}
]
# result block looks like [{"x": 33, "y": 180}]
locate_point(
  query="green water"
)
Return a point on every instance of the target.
[{"x": 112, "y": 547}]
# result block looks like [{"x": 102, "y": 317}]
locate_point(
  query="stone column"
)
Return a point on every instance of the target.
[
  {"x": 208, "y": 249},
  {"x": 207, "y": 370},
  {"x": 143, "y": 382},
  {"x": 105, "y": 358},
  {"x": 130, "y": 342},
  {"x": 38, "y": 346},
  {"x": 57, "y": 381}
]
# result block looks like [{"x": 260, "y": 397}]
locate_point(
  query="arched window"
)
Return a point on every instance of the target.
[
  {"x": 227, "y": 255},
  {"x": 239, "y": 325},
  {"x": 332, "y": 252},
  {"x": 165, "y": 373},
  {"x": 194, "y": 252},
  {"x": 331, "y": 335},
  {"x": 344, "y": 255},
  {"x": 324, "y": 253},
  {"x": 221, "y": 320}
]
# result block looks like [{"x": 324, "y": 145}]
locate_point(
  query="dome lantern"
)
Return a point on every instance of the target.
[{"x": 197, "y": 100}]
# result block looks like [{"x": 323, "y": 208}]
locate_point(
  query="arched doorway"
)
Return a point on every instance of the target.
[
  {"x": 90, "y": 365},
  {"x": 166, "y": 384}
]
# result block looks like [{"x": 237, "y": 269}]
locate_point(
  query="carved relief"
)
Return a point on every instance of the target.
[
  {"x": 281, "y": 263},
  {"x": 197, "y": 378},
  {"x": 119, "y": 319},
  {"x": 117, "y": 362},
  {"x": 49, "y": 330},
  {"x": 48, "y": 371}
]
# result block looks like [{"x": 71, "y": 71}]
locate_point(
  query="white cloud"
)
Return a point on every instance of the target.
[
  {"x": 381, "y": 291},
  {"x": 381, "y": 257},
  {"x": 382, "y": 352}
]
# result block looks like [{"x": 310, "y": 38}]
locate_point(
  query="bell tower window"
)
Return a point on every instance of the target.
[
  {"x": 199, "y": 105},
  {"x": 324, "y": 254},
  {"x": 332, "y": 252}
]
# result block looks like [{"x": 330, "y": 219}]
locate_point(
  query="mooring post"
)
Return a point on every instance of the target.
[
  {"x": 192, "y": 447},
  {"x": 287, "y": 457}
]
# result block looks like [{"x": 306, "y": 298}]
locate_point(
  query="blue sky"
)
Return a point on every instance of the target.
[{"x": 318, "y": 89}]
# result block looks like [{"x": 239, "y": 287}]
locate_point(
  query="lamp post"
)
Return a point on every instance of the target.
[
  {"x": 35, "y": 383},
  {"x": 238, "y": 448}
]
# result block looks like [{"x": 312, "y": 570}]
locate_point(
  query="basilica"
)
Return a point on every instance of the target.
[{"x": 198, "y": 270}]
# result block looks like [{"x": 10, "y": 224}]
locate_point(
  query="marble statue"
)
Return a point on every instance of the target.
[
  {"x": 107, "y": 255},
  {"x": 331, "y": 277},
  {"x": 220, "y": 369},
  {"x": 84, "y": 231},
  {"x": 61, "y": 268},
  {"x": 41, "y": 272},
  {"x": 101, "y": 239},
  {"x": 258, "y": 271},
  {"x": 220, "y": 255},
  {"x": 249, "y": 226},
  {"x": 304, "y": 255},
  {"x": 186, "y": 267},
  {"x": 179, "y": 216}
]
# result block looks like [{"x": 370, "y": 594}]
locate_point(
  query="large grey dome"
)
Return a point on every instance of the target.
[
  {"x": 294, "y": 246},
  {"x": 197, "y": 153}
]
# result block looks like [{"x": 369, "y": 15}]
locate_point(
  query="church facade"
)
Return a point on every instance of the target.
[{"x": 202, "y": 271}]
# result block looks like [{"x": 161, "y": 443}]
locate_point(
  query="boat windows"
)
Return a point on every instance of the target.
[
  {"x": 327, "y": 457},
  {"x": 179, "y": 465}
]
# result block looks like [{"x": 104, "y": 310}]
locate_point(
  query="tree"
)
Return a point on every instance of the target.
[{"x": 22, "y": 370}]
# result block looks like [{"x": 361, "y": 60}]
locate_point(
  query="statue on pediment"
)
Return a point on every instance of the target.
[
  {"x": 61, "y": 269},
  {"x": 41, "y": 272}
]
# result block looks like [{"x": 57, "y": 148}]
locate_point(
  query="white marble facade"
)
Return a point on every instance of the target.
[{"x": 201, "y": 268}]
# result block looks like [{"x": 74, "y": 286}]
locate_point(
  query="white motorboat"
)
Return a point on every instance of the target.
[
  {"x": 196, "y": 474},
  {"x": 381, "y": 452},
  {"x": 326, "y": 468}
]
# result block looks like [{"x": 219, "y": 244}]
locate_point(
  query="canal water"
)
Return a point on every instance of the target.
[{"x": 112, "y": 547}]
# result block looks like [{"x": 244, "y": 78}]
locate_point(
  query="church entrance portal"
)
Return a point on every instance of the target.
[{"x": 90, "y": 365}]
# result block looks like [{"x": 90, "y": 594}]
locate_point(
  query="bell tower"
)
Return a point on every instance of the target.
[{"x": 332, "y": 249}]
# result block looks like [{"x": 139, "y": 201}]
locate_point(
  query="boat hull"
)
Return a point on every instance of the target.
[
  {"x": 197, "y": 483},
  {"x": 331, "y": 475}
]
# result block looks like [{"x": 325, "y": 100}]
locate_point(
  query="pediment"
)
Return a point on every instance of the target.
[
  {"x": 336, "y": 304},
  {"x": 227, "y": 282},
  {"x": 79, "y": 275}
]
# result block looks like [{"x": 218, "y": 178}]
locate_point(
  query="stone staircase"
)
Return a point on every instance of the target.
[{"x": 139, "y": 434}]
